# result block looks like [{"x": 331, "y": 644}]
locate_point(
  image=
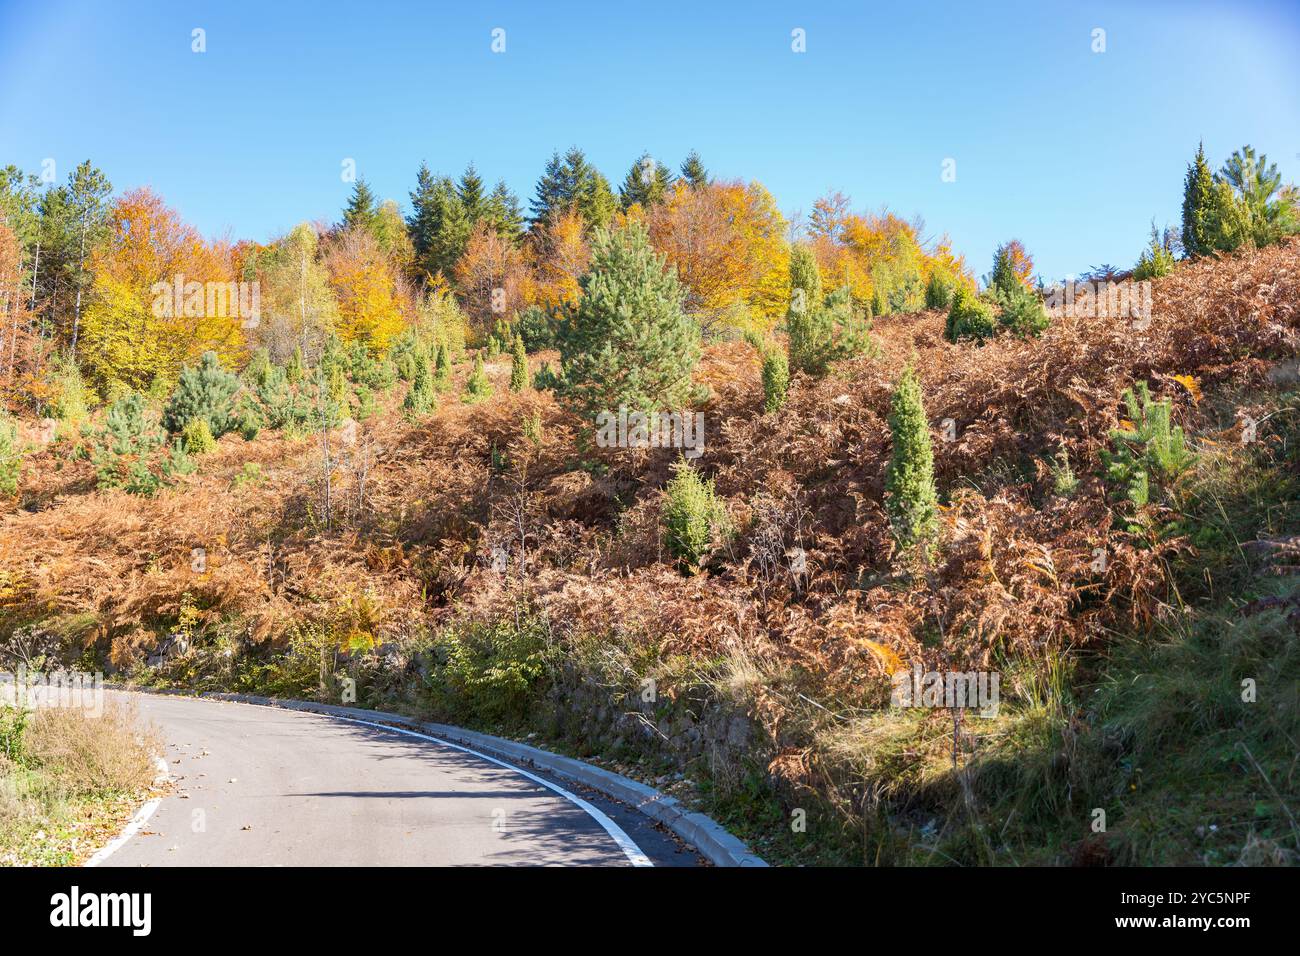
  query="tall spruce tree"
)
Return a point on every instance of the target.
[
  {"x": 503, "y": 212},
  {"x": 910, "y": 497},
  {"x": 1198, "y": 206},
  {"x": 627, "y": 341},
  {"x": 362, "y": 208},
  {"x": 693, "y": 170},
  {"x": 438, "y": 224},
  {"x": 573, "y": 183},
  {"x": 646, "y": 183},
  {"x": 470, "y": 192}
]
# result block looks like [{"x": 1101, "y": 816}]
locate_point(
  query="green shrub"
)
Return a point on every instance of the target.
[
  {"x": 197, "y": 437},
  {"x": 826, "y": 332},
  {"x": 939, "y": 290},
  {"x": 776, "y": 378},
  {"x": 910, "y": 498},
  {"x": 442, "y": 368},
  {"x": 546, "y": 379},
  {"x": 1020, "y": 311},
  {"x": 419, "y": 397},
  {"x": 969, "y": 317},
  {"x": 295, "y": 370},
  {"x": 537, "y": 328},
  {"x": 518, "y": 367},
  {"x": 205, "y": 391},
  {"x": 125, "y": 447},
  {"x": 250, "y": 474},
  {"x": 1151, "y": 448},
  {"x": 477, "y": 386},
  {"x": 532, "y": 428},
  {"x": 1156, "y": 260},
  {"x": 695, "y": 518},
  {"x": 489, "y": 672},
  {"x": 10, "y": 456},
  {"x": 258, "y": 368}
]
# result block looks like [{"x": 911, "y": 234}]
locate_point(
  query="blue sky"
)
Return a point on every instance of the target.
[{"x": 1071, "y": 151}]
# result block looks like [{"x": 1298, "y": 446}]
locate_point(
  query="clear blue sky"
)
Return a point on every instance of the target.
[{"x": 1071, "y": 151}]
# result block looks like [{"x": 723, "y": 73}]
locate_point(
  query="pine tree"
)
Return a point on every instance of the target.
[
  {"x": 910, "y": 497},
  {"x": 362, "y": 208},
  {"x": 204, "y": 391},
  {"x": 693, "y": 170},
  {"x": 519, "y": 367},
  {"x": 646, "y": 183},
  {"x": 470, "y": 192},
  {"x": 1198, "y": 206},
  {"x": 504, "y": 214},
  {"x": 695, "y": 518},
  {"x": 627, "y": 341}
]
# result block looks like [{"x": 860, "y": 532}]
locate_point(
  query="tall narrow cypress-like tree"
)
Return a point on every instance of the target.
[
  {"x": 627, "y": 341},
  {"x": 910, "y": 497},
  {"x": 518, "y": 366},
  {"x": 1198, "y": 206}
]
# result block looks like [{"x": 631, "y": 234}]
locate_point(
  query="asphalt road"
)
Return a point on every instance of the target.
[{"x": 260, "y": 786}]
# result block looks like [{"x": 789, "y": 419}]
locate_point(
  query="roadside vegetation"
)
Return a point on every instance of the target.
[
  {"x": 69, "y": 781},
  {"x": 395, "y": 485}
]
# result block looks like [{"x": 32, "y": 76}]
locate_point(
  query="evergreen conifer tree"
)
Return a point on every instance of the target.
[
  {"x": 362, "y": 208},
  {"x": 627, "y": 341},
  {"x": 693, "y": 170},
  {"x": 519, "y": 367},
  {"x": 1198, "y": 206},
  {"x": 910, "y": 497}
]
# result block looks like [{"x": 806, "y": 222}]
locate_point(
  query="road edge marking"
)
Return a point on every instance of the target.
[
  {"x": 636, "y": 856},
  {"x": 136, "y": 822}
]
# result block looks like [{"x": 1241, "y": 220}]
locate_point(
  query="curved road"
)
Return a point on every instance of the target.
[{"x": 262, "y": 786}]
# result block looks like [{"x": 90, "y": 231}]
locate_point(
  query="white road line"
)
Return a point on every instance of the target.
[
  {"x": 139, "y": 820},
  {"x": 630, "y": 849}
]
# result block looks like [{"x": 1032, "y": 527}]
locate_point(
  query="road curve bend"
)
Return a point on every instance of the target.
[{"x": 262, "y": 786}]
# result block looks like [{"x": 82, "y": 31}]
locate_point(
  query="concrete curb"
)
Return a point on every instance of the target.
[{"x": 717, "y": 845}]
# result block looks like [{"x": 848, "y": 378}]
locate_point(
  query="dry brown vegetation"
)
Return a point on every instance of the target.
[
  {"x": 414, "y": 536},
  {"x": 419, "y": 507}
]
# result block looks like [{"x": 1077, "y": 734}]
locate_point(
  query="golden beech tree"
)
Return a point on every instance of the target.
[
  {"x": 369, "y": 302},
  {"x": 727, "y": 242},
  {"x": 879, "y": 256},
  {"x": 491, "y": 276},
  {"x": 559, "y": 251},
  {"x": 161, "y": 297}
]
